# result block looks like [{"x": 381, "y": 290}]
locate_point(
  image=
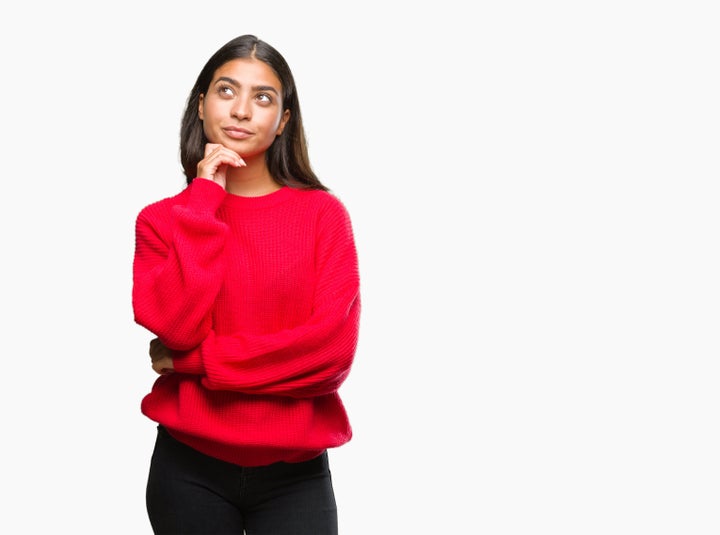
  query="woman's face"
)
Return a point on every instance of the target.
[{"x": 242, "y": 108}]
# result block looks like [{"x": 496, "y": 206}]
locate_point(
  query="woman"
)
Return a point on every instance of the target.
[{"x": 249, "y": 280}]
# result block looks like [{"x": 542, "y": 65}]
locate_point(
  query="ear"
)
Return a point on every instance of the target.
[
  {"x": 283, "y": 121},
  {"x": 200, "y": 106}
]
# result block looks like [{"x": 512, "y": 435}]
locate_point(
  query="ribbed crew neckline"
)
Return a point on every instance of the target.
[{"x": 259, "y": 202}]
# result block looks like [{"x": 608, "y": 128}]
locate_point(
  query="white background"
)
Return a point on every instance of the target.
[{"x": 534, "y": 192}]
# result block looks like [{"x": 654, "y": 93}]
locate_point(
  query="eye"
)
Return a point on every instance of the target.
[
  {"x": 225, "y": 91},
  {"x": 264, "y": 98}
]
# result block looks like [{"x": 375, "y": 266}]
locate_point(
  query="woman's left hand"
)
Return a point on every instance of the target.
[{"x": 162, "y": 362}]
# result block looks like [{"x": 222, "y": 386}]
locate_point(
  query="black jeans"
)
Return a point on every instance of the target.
[{"x": 191, "y": 493}]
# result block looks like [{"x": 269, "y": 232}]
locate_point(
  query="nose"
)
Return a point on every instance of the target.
[{"x": 241, "y": 109}]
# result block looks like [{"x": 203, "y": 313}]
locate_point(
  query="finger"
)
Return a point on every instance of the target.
[
  {"x": 226, "y": 157},
  {"x": 158, "y": 365},
  {"x": 157, "y": 350},
  {"x": 158, "y": 354},
  {"x": 210, "y": 148},
  {"x": 214, "y": 151},
  {"x": 163, "y": 366}
]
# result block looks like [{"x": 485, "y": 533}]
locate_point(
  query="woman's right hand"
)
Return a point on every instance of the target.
[{"x": 217, "y": 159}]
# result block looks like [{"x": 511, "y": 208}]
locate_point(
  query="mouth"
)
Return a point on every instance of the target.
[{"x": 235, "y": 132}]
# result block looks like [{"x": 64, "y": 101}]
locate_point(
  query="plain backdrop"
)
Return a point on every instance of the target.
[{"x": 534, "y": 192}]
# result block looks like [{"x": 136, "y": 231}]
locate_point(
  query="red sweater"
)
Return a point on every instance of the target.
[{"x": 258, "y": 297}]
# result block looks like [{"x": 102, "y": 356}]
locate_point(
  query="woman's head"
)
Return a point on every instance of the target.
[{"x": 287, "y": 157}]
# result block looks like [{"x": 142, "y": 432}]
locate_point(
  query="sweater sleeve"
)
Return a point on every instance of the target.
[
  {"x": 311, "y": 359},
  {"x": 178, "y": 266}
]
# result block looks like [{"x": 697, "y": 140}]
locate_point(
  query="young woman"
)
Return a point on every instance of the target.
[{"x": 248, "y": 278}]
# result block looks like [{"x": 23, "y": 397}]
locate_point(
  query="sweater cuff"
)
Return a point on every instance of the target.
[
  {"x": 205, "y": 194},
  {"x": 189, "y": 362}
]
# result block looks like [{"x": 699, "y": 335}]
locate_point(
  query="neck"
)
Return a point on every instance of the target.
[{"x": 251, "y": 181}]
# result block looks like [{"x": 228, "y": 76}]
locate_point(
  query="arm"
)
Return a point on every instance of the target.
[
  {"x": 178, "y": 266},
  {"x": 310, "y": 359}
]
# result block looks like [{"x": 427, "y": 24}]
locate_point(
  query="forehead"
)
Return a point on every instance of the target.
[{"x": 248, "y": 71}]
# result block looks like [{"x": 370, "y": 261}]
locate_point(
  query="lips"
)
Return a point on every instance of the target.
[{"x": 237, "y": 133}]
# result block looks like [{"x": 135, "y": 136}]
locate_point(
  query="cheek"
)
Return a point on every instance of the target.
[
  {"x": 213, "y": 118},
  {"x": 277, "y": 121}
]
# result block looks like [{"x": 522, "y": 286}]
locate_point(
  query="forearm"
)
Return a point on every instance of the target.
[{"x": 310, "y": 360}]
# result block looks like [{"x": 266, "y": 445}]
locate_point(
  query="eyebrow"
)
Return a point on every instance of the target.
[{"x": 235, "y": 83}]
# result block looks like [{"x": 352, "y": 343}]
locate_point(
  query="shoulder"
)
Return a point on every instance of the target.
[
  {"x": 323, "y": 202},
  {"x": 328, "y": 213}
]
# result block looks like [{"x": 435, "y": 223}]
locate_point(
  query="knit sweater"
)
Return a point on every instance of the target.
[{"x": 258, "y": 299}]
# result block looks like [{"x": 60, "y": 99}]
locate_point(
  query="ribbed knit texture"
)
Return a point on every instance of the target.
[{"x": 259, "y": 299}]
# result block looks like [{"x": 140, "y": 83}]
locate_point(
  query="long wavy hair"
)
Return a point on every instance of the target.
[{"x": 287, "y": 158}]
